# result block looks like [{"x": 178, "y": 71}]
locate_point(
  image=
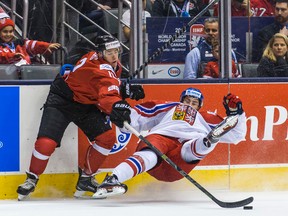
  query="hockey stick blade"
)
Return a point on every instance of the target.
[{"x": 222, "y": 204}]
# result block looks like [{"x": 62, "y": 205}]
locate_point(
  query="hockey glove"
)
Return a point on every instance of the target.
[
  {"x": 134, "y": 92},
  {"x": 120, "y": 113},
  {"x": 232, "y": 104}
]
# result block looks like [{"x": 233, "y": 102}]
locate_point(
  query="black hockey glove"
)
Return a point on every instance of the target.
[
  {"x": 134, "y": 92},
  {"x": 120, "y": 113},
  {"x": 232, "y": 104}
]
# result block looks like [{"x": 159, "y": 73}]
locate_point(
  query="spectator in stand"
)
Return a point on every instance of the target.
[
  {"x": 238, "y": 8},
  {"x": 18, "y": 51},
  {"x": 202, "y": 53},
  {"x": 274, "y": 62},
  {"x": 261, "y": 8},
  {"x": 149, "y": 5},
  {"x": 95, "y": 13},
  {"x": 178, "y": 8},
  {"x": 212, "y": 68},
  {"x": 40, "y": 19},
  {"x": 126, "y": 30},
  {"x": 266, "y": 33},
  {"x": 3, "y": 14},
  {"x": 126, "y": 19}
]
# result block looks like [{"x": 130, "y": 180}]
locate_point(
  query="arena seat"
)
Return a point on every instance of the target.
[
  {"x": 249, "y": 70},
  {"x": 32, "y": 72},
  {"x": 8, "y": 72},
  {"x": 201, "y": 69},
  {"x": 110, "y": 22}
]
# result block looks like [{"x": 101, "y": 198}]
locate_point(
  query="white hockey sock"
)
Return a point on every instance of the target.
[
  {"x": 139, "y": 162},
  {"x": 195, "y": 150}
]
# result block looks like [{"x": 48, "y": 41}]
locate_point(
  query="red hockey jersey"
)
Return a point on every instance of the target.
[{"x": 94, "y": 81}]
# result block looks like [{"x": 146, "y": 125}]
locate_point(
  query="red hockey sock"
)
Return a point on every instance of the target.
[
  {"x": 44, "y": 147},
  {"x": 97, "y": 153}
]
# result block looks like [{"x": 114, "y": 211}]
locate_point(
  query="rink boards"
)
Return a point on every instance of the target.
[{"x": 260, "y": 162}]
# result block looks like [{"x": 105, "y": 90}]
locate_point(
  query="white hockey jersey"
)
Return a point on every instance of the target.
[{"x": 175, "y": 119}]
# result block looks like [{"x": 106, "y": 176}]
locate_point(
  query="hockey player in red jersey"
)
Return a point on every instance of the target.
[
  {"x": 86, "y": 97},
  {"x": 179, "y": 131}
]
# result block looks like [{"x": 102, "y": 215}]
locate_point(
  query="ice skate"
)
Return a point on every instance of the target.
[
  {"x": 110, "y": 187},
  {"x": 225, "y": 126},
  {"x": 28, "y": 186},
  {"x": 86, "y": 183}
]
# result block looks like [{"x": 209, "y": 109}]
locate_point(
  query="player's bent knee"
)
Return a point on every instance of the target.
[
  {"x": 106, "y": 140},
  {"x": 45, "y": 146}
]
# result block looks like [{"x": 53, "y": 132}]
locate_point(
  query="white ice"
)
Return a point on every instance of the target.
[{"x": 172, "y": 203}]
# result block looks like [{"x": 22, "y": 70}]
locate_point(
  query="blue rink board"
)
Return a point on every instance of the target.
[{"x": 9, "y": 129}]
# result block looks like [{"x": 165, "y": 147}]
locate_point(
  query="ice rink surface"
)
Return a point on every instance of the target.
[{"x": 171, "y": 203}]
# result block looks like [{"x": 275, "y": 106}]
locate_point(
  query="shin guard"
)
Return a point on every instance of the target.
[{"x": 44, "y": 147}]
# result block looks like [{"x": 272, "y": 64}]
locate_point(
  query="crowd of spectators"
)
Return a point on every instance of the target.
[
  {"x": 239, "y": 8},
  {"x": 202, "y": 53},
  {"x": 178, "y": 8},
  {"x": 278, "y": 26}
]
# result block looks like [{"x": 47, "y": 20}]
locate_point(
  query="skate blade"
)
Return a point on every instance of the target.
[
  {"x": 229, "y": 123},
  {"x": 22, "y": 197},
  {"x": 103, "y": 193},
  {"x": 79, "y": 194},
  {"x": 83, "y": 195}
]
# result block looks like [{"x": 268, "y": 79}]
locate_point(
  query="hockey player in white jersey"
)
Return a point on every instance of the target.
[{"x": 179, "y": 131}]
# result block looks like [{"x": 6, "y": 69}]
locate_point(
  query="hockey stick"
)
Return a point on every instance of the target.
[{"x": 189, "y": 178}]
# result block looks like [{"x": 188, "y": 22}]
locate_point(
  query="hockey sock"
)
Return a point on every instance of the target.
[
  {"x": 139, "y": 162},
  {"x": 98, "y": 151},
  {"x": 195, "y": 150},
  {"x": 44, "y": 147}
]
